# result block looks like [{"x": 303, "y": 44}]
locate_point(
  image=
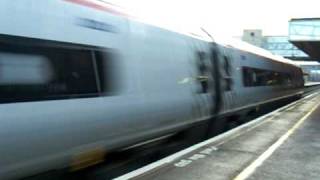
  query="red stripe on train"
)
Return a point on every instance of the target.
[{"x": 97, "y": 5}]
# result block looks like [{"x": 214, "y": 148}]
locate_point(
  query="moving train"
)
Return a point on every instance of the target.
[{"x": 79, "y": 78}]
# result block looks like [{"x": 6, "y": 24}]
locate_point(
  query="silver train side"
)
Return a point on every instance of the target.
[{"x": 138, "y": 82}]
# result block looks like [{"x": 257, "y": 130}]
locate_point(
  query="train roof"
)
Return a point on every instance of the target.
[
  {"x": 102, "y": 5},
  {"x": 228, "y": 42},
  {"x": 244, "y": 46}
]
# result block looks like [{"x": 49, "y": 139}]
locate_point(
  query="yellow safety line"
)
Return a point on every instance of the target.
[{"x": 258, "y": 162}]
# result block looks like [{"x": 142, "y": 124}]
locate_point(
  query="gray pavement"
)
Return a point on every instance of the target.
[{"x": 297, "y": 158}]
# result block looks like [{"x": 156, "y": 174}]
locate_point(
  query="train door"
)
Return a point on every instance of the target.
[
  {"x": 214, "y": 76},
  {"x": 226, "y": 71},
  {"x": 223, "y": 81},
  {"x": 203, "y": 79}
]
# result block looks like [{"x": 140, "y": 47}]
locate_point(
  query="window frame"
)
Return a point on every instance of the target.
[
  {"x": 283, "y": 79},
  {"x": 97, "y": 59}
]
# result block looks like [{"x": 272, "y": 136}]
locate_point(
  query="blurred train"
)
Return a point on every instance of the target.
[{"x": 78, "y": 78}]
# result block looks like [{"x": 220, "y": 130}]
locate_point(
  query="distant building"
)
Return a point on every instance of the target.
[
  {"x": 253, "y": 36},
  {"x": 278, "y": 45}
]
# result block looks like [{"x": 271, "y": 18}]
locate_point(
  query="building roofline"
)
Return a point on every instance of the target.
[{"x": 304, "y": 19}]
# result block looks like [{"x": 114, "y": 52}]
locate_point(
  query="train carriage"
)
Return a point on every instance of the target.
[{"x": 87, "y": 78}]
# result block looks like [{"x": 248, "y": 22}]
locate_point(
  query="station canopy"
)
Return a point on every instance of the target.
[{"x": 305, "y": 34}]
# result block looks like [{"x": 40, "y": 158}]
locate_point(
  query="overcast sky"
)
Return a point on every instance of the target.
[{"x": 227, "y": 17}]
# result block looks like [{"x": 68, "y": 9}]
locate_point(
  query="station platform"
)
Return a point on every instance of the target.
[{"x": 283, "y": 144}]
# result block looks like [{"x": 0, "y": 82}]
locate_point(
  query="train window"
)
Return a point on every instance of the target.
[
  {"x": 32, "y": 72},
  {"x": 262, "y": 77},
  {"x": 203, "y": 72},
  {"x": 227, "y": 65}
]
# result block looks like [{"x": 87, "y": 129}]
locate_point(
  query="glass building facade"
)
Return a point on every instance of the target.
[{"x": 280, "y": 45}]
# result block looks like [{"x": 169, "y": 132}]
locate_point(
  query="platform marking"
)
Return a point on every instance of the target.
[{"x": 259, "y": 161}]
